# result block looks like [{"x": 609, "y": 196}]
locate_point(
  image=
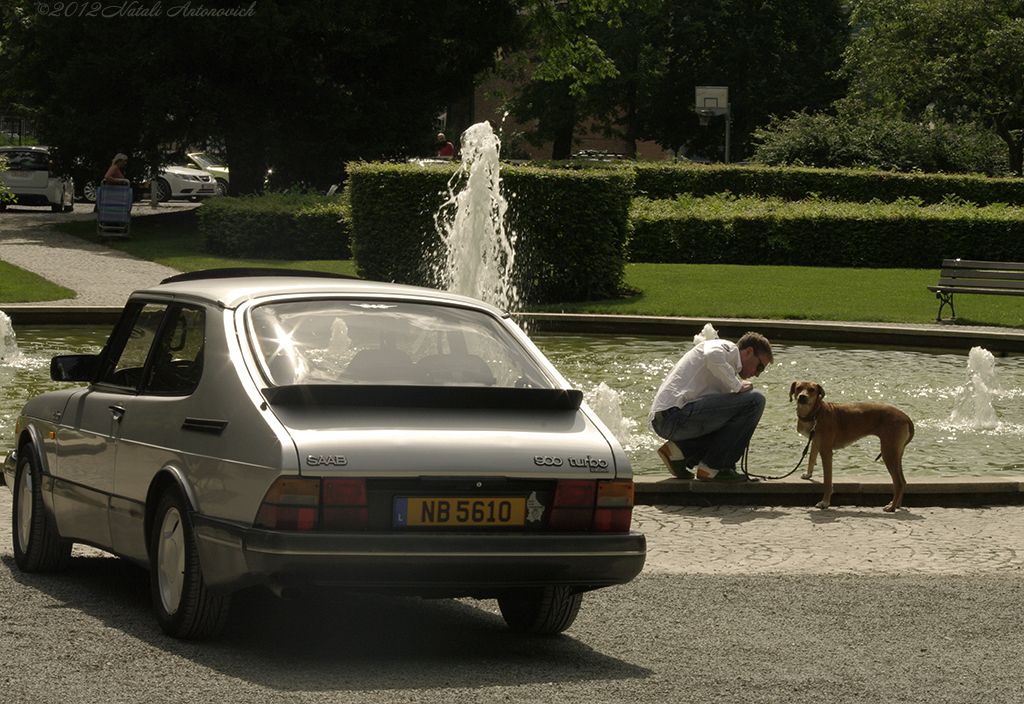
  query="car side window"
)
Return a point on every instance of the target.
[
  {"x": 176, "y": 362},
  {"x": 157, "y": 349},
  {"x": 129, "y": 348}
]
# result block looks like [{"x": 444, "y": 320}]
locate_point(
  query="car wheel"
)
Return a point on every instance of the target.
[
  {"x": 163, "y": 190},
  {"x": 89, "y": 192},
  {"x": 222, "y": 187},
  {"x": 184, "y": 606},
  {"x": 540, "y": 610},
  {"x": 37, "y": 547}
]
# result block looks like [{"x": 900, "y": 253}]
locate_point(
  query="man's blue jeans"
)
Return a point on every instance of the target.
[{"x": 715, "y": 429}]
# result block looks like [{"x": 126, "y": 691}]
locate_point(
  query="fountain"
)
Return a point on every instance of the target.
[
  {"x": 8, "y": 340},
  {"x": 479, "y": 254},
  {"x": 972, "y": 407}
]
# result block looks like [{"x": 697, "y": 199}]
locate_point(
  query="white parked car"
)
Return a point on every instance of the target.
[
  {"x": 184, "y": 182},
  {"x": 32, "y": 181},
  {"x": 310, "y": 433}
]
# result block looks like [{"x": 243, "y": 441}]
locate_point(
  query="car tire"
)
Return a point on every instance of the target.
[
  {"x": 37, "y": 546},
  {"x": 540, "y": 610},
  {"x": 222, "y": 187},
  {"x": 89, "y": 192},
  {"x": 163, "y": 190},
  {"x": 184, "y": 607}
]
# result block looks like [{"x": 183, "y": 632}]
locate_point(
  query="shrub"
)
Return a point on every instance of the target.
[
  {"x": 906, "y": 234},
  {"x": 276, "y": 226},
  {"x": 876, "y": 141}
]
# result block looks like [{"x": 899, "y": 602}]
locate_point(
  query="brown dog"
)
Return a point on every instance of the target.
[{"x": 834, "y": 425}]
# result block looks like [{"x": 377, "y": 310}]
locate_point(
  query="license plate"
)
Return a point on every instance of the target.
[
  {"x": 19, "y": 174},
  {"x": 485, "y": 512}
]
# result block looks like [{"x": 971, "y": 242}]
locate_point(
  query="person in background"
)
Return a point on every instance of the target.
[
  {"x": 114, "y": 175},
  {"x": 445, "y": 147},
  {"x": 707, "y": 409}
]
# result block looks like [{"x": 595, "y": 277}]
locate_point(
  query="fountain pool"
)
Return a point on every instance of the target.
[{"x": 968, "y": 411}]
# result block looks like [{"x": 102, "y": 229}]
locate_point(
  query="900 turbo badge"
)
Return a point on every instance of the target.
[
  {"x": 326, "y": 460},
  {"x": 594, "y": 464}
]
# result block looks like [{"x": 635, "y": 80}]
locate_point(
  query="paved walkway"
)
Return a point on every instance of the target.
[{"x": 101, "y": 276}]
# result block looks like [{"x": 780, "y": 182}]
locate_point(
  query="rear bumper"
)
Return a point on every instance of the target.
[{"x": 434, "y": 564}]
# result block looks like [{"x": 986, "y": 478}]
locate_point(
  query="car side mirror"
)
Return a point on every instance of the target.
[{"x": 74, "y": 367}]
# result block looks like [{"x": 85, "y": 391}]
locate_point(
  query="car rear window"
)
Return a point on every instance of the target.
[
  {"x": 26, "y": 160},
  {"x": 383, "y": 342}
]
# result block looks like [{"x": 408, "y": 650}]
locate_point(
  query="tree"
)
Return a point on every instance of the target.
[
  {"x": 630, "y": 67},
  {"x": 303, "y": 86},
  {"x": 958, "y": 60},
  {"x": 776, "y": 58}
]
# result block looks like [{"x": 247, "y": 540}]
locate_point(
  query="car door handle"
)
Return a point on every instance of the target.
[{"x": 118, "y": 412}]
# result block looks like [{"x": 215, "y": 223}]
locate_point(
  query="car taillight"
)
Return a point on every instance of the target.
[
  {"x": 344, "y": 504},
  {"x": 605, "y": 506},
  {"x": 314, "y": 504},
  {"x": 614, "y": 506}
]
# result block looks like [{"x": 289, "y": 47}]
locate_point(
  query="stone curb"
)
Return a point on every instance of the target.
[{"x": 793, "y": 491}]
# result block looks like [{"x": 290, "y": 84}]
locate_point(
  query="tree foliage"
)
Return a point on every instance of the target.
[
  {"x": 629, "y": 67},
  {"x": 955, "y": 60},
  {"x": 302, "y": 86}
]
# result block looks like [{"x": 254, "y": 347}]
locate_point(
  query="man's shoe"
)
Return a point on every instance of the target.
[
  {"x": 673, "y": 458},
  {"x": 706, "y": 474}
]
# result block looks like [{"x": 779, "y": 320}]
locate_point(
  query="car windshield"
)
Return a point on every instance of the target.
[
  {"x": 204, "y": 161},
  {"x": 388, "y": 342}
]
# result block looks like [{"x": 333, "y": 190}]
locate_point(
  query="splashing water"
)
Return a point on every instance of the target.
[
  {"x": 607, "y": 404},
  {"x": 972, "y": 406},
  {"x": 8, "y": 340},
  {"x": 708, "y": 332},
  {"x": 480, "y": 254}
]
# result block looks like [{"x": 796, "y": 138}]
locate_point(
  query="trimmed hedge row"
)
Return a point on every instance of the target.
[
  {"x": 657, "y": 180},
  {"x": 906, "y": 234},
  {"x": 276, "y": 226},
  {"x": 570, "y": 226}
]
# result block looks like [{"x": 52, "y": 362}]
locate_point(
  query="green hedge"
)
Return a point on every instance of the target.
[
  {"x": 276, "y": 226},
  {"x": 570, "y": 226},
  {"x": 907, "y": 234},
  {"x": 657, "y": 180}
]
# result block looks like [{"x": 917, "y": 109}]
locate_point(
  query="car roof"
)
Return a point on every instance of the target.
[
  {"x": 27, "y": 147},
  {"x": 231, "y": 288}
]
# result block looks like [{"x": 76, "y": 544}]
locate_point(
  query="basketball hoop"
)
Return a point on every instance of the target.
[{"x": 704, "y": 119}]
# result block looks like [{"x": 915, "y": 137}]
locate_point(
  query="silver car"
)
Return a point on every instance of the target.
[{"x": 306, "y": 432}]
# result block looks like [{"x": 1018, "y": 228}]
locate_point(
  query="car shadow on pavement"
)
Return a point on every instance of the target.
[{"x": 335, "y": 641}]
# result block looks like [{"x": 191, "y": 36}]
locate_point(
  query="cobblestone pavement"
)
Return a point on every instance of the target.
[
  {"x": 99, "y": 275},
  {"x": 748, "y": 540},
  {"x": 775, "y": 540}
]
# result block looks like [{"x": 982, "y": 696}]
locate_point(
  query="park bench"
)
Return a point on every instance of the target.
[{"x": 968, "y": 276}]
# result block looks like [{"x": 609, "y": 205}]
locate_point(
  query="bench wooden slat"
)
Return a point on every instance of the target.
[
  {"x": 976, "y": 264},
  {"x": 979, "y": 283},
  {"x": 988, "y": 291},
  {"x": 964, "y": 275}
]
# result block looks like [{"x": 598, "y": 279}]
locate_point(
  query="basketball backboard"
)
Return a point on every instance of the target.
[{"x": 712, "y": 100}]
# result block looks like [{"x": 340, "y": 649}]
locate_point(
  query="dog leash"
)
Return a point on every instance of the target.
[{"x": 810, "y": 437}]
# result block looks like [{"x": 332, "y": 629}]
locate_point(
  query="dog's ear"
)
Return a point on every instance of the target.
[
  {"x": 821, "y": 391},
  {"x": 792, "y": 390}
]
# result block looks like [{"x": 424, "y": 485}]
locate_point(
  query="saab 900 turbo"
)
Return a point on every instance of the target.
[{"x": 309, "y": 433}]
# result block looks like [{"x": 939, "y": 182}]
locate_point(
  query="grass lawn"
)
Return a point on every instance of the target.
[
  {"x": 18, "y": 286},
  {"x": 691, "y": 290}
]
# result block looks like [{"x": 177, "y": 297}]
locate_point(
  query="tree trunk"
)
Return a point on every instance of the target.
[{"x": 246, "y": 156}]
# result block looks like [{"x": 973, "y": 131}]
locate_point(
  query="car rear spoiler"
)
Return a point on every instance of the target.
[{"x": 403, "y": 396}]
